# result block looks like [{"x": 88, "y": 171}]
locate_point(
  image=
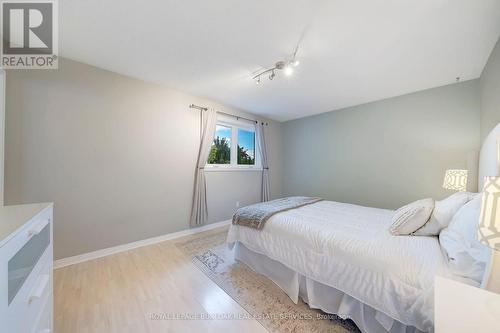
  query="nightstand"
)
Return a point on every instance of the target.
[{"x": 461, "y": 308}]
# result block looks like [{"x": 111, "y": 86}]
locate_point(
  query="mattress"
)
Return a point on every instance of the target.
[{"x": 349, "y": 247}]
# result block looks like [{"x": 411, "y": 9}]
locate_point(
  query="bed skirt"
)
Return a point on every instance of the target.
[{"x": 320, "y": 296}]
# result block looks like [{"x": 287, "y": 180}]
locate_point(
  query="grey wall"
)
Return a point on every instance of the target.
[
  {"x": 2, "y": 132},
  {"x": 386, "y": 153},
  {"x": 115, "y": 154},
  {"x": 490, "y": 92}
]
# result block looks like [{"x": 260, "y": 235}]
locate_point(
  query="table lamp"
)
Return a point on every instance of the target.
[
  {"x": 489, "y": 231},
  {"x": 489, "y": 227},
  {"x": 455, "y": 180}
]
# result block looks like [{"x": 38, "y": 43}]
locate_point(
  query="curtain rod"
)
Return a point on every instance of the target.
[{"x": 201, "y": 108}]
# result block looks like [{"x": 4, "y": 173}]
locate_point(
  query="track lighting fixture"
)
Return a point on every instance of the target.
[{"x": 287, "y": 66}]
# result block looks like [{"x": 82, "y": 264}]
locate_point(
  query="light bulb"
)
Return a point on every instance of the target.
[
  {"x": 257, "y": 81},
  {"x": 288, "y": 70},
  {"x": 295, "y": 63}
]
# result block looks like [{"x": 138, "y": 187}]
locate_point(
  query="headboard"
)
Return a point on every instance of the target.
[{"x": 489, "y": 158}]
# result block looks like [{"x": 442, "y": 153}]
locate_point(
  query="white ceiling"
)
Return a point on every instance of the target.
[{"x": 352, "y": 51}]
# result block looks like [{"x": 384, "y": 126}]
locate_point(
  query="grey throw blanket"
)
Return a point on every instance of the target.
[{"x": 255, "y": 216}]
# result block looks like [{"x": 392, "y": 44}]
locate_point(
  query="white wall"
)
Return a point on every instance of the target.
[
  {"x": 490, "y": 92},
  {"x": 2, "y": 133},
  {"x": 387, "y": 153},
  {"x": 117, "y": 156}
]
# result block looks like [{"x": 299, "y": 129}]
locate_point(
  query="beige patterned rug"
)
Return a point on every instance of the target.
[{"x": 258, "y": 295}]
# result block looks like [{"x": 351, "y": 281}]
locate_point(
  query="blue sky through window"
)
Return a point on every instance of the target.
[
  {"x": 223, "y": 132},
  {"x": 246, "y": 139}
]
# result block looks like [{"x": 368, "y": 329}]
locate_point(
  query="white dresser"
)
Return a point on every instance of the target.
[{"x": 26, "y": 280}]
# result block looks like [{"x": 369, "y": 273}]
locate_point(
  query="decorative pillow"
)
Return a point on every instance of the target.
[
  {"x": 467, "y": 257},
  {"x": 409, "y": 218},
  {"x": 443, "y": 213}
]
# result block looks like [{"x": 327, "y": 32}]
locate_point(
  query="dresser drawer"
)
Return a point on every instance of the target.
[
  {"x": 44, "y": 322},
  {"x": 26, "y": 277},
  {"x": 33, "y": 243},
  {"x": 31, "y": 298}
]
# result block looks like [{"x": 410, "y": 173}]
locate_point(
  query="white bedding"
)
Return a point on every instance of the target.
[{"x": 349, "y": 247}]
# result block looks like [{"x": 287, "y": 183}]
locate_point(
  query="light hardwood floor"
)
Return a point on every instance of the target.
[{"x": 121, "y": 292}]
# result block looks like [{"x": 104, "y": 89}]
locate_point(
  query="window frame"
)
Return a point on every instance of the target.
[{"x": 235, "y": 124}]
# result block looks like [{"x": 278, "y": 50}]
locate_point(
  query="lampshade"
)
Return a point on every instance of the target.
[
  {"x": 455, "y": 180},
  {"x": 489, "y": 220}
]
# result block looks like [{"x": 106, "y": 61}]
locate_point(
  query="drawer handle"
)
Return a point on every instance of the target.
[
  {"x": 38, "y": 228},
  {"x": 41, "y": 285}
]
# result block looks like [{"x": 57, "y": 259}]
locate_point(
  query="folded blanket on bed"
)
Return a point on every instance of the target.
[{"x": 255, "y": 216}]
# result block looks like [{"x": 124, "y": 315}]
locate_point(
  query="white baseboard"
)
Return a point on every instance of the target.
[{"x": 125, "y": 247}]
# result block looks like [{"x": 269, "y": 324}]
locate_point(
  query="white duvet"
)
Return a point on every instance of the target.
[{"x": 349, "y": 247}]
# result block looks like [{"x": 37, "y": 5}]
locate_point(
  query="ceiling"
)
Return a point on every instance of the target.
[{"x": 351, "y": 51}]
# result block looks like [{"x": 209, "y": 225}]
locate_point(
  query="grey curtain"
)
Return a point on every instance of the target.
[
  {"x": 261, "y": 144},
  {"x": 199, "y": 210}
]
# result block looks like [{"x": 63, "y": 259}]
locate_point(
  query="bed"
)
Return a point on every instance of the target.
[
  {"x": 348, "y": 248},
  {"x": 340, "y": 258}
]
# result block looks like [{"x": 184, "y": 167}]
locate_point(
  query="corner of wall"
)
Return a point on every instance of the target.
[{"x": 489, "y": 86}]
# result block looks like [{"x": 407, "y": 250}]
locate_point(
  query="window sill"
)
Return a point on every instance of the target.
[{"x": 231, "y": 169}]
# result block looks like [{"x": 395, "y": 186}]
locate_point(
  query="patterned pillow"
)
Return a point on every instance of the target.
[{"x": 411, "y": 217}]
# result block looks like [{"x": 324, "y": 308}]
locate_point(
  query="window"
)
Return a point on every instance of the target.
[
  {"x": 220, "y": 153},
  {"x": 246, "y": 147},
  {"x": 233, "y": 147}
]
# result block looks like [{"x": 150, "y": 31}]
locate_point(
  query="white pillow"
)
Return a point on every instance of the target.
[
  {"x": 467, "y": 257},
  {"x": 409, "y": 218},
  {"x": 443, "y": 213}
]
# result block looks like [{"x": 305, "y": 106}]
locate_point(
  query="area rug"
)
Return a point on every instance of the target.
[{"x": 257, "y": 294}]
